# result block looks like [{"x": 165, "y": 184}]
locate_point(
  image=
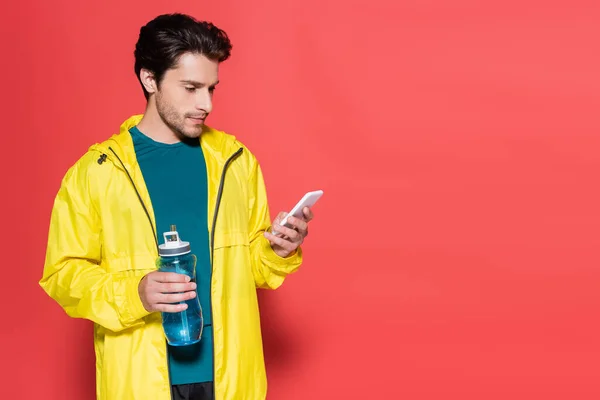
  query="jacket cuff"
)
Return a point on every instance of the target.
[
  {"x": 130, "y": 305},
  {"x": 287, "y": 265}
]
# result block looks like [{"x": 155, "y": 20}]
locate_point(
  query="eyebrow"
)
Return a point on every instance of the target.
[{"x": 196, "y": 83}]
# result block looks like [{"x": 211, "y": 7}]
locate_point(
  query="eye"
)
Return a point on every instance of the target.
[
  {"x": 211, "y": 89},
  {"x": 190, "y": 88}
]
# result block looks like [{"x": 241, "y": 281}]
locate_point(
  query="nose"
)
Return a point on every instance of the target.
[{"x": 204, "y": 100}]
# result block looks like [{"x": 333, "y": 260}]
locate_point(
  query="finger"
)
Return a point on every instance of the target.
[
  {"x": 170, "y": 277},
  {"x": 308, "y": 214},
  {"x": 170, "y": 298},
  {"x": 299, "y": 224},
  {"x": 279, "y": 217},
  {"x": 170, "y": 308},
  {"x": 277, "y": 221},
  {"x": 175, "y": 287},
  {"x": 291, "y": 234},
  {"x": 281, "y": 242}
]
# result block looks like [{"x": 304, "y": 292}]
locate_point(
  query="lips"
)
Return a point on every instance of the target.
[{"x": 198, "y": 120}]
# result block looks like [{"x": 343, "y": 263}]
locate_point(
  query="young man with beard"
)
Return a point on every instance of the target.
[{"x": 167, "y": 167}]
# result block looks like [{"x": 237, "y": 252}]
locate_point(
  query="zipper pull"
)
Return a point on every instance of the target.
[{"x": 102, "y": 159}]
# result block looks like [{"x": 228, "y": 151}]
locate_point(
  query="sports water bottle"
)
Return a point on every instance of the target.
[{"x": 185, "y": 327}]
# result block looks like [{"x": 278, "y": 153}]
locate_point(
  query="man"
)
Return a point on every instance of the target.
[{"x": 166, "y": 167}]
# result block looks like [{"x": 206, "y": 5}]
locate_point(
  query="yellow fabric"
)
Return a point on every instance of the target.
[{"x": 101, "y": 244}]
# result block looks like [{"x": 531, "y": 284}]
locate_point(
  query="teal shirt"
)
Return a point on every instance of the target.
[{"x": 175, "y": 175}]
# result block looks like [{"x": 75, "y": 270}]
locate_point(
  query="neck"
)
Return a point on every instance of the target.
[{"x": 154, "y": 127}]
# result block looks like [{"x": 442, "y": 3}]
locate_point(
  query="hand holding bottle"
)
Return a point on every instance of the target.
[{"x": 159, "y": 290}]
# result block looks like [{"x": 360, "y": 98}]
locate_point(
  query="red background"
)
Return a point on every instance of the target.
[{"x": 455, "y": 254}]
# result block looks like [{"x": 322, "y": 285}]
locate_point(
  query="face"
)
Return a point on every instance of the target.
[{"x": 183, "y": 98}]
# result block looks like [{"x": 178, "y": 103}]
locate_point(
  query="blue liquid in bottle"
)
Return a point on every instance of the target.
[{"x": 185, "y": 327}]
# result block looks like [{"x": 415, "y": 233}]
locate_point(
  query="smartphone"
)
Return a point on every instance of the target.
[{"x": 308, "y": 200}]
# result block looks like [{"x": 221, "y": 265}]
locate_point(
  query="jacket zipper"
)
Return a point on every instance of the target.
[
  {"x": 103, "y": 158},
  {"x": 138, "y": 195},
  {"x": 212, "y": 251},
  {"x": 212, "y": 238}
]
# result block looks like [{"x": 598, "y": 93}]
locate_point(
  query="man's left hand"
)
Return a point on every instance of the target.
[{"x": 288, "y": 240}]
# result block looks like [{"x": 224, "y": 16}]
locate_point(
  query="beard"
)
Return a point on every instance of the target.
[{"x": 176, "y": 121}]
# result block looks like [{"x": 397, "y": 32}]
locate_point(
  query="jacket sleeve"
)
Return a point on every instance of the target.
[
  {"x": 268, "y": 268},
  {"x": 73, "y": 275}
]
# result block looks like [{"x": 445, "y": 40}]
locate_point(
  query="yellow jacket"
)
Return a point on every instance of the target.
[{"x": 101, "y": 243}]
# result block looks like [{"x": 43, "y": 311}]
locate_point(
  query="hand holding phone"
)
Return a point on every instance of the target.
[{"x": 308, "y": 200}]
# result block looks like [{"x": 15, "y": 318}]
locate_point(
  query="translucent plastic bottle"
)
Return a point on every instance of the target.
[{"x": 185, "y": 327}]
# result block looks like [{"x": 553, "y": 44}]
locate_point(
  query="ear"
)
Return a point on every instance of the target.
[{"x": 147, "y": 78}]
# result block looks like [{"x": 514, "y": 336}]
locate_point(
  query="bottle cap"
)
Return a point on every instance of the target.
[{"x": 173, "y": 245}]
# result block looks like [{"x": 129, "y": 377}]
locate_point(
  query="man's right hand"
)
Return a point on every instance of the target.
[{"x": 159, "y": 290}]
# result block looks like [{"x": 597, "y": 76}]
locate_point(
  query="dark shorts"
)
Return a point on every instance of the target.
[{"x": 193, "y": 391}]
